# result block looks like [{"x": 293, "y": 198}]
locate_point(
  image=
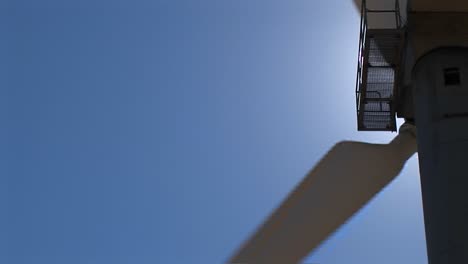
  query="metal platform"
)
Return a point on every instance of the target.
[{"x": 378, "y": 71}]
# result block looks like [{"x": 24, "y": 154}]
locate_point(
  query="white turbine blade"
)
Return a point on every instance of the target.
[{"x": 349, "y": 175}]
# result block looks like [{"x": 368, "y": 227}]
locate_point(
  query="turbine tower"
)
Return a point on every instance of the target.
[{"x": 412, "y": 64}]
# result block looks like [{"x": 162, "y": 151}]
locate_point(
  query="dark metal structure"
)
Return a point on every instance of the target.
[{"x": 378, "y": 71}]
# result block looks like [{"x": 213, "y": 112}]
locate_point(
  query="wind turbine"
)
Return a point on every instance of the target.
[{"x": 412, "y": 64}]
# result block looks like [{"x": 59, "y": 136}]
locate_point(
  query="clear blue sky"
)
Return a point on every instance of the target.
[{"x": 166, "y": 131}]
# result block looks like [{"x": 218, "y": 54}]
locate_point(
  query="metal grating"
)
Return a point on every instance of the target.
[
  {"x": 382, "y": 49},
  {"x": 378, "y": 72}
]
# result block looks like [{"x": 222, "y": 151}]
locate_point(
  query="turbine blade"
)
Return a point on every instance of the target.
[{"x": 349, "y": 175}]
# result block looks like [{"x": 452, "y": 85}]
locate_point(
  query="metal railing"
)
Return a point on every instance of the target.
[{"x": 361, "y": 78}]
